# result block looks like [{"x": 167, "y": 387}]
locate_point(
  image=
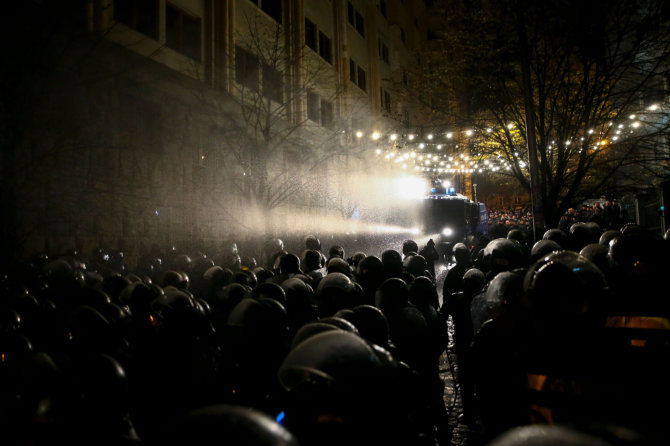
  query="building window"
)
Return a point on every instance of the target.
[
  {"x": 272, "y": 8},
  {"x": 140, "y": 15},
  {"x": 360, "y": 24},
  {"x": 310, "y": 34},
  {"x": 313, "y": 106},
  {"x": 383, "y": 50},
  {"x": 273, "y": 87},
  {"x": 326, "y": 113},
  {"x": 183, "y": 32},
  {"x": 357, "y": 75},
  {"x": 322, "y": 45},
  {"x": 361, "y": 79},
  {"x": 247, "y": 69},
  {"x": 355, "y": 19},
  {"x": 385, "y": 98},
  {"x": 382, "y": 7},
  {"x": 324, "y": 48}
]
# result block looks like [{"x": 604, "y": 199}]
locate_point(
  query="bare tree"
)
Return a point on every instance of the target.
[
  {"x": 590, "y": 67},
  {"x": 272, "y": 139}
]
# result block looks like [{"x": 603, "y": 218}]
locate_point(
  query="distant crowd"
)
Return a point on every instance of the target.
[{"x": 607, "y": 214}]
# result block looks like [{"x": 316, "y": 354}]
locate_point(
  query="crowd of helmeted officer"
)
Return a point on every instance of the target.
[{"x": 319, "y": 348}]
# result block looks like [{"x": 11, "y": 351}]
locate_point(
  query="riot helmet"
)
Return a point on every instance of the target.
[
  {"x": 392, "y": 261},
  {"x": 558, "y": 236},
  {"x": 415, "y": 264},
  {"x": 227, "y": 423},
  {"x": 312, "y": 242},
  {"x": 542, "y": 248}
]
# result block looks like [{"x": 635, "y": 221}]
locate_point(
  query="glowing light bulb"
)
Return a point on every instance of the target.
[
  {"x": 450, "y": 135},
  {"x": 375, "y": 135},
  {"x": 359, "y": 134}
]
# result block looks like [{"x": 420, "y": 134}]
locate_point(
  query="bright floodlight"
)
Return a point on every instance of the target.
[
  {"x": 409, "y": 187},
  {"x": 447, "y": 231}
]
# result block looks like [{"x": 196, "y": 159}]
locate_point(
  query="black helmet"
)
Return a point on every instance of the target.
[
  {"x": 422, "y": 292},
  {"x": 409, "y": 246},
  {"x": 340, "y": 323},
  {"x": 273, "y": 245},
  {"x": 338, "y": 265},
  {"x": 289, "y": 264},
  {"x": 334, "y": 292},
  {"x": 415, "y": 264},
  {"x": 337, "y": 392},
  {"x": 461, "y": 253},
  {"x": 392, "y": 295},
  {"x": 564, "y": 286},
  {"x": 312, "y": 329},
  {"x": 597, "y": 254},
  {"x": 271, "y": 291},
  {"x": 261, "y": 315},
  {"x": 370, "y": 322},
  {"x": 311, "y": 260},
  {"x": 182, "y": 263},
  {"x": 357, "y": 257},
  {"x": 172, "y": 278},
  {"x": 518, "y": 235},
  {"x": 229, "y": 424},
  {"x": 216, "y": 276},
  {"x": 502, "y": 255},
  {"x": 473, "y": 281},
  {"x": 505, "y": 291},
  {"x": 580, "y": 236},
  {"x": 336, "y": 251},
  {"x": 311, "y": 242},
  {"x": 607, "y": 236},
  {"x": 392, "y": 261},
  {"x": 370, "y": 274},
  {"x": 542, "y": 248},
  {"x": 547, "y": 435},
  {"x": 263, "y": 274},
  {"x": 248, "y": 263},
  {"x": 558, "y": 236},
  {"x": 301, "y": 303},
  {"x": 138, "y": 297},
  {"x": 245, "y": 277}
]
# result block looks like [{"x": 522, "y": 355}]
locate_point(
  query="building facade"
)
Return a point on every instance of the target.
[{"x": 187, "y": 121}]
